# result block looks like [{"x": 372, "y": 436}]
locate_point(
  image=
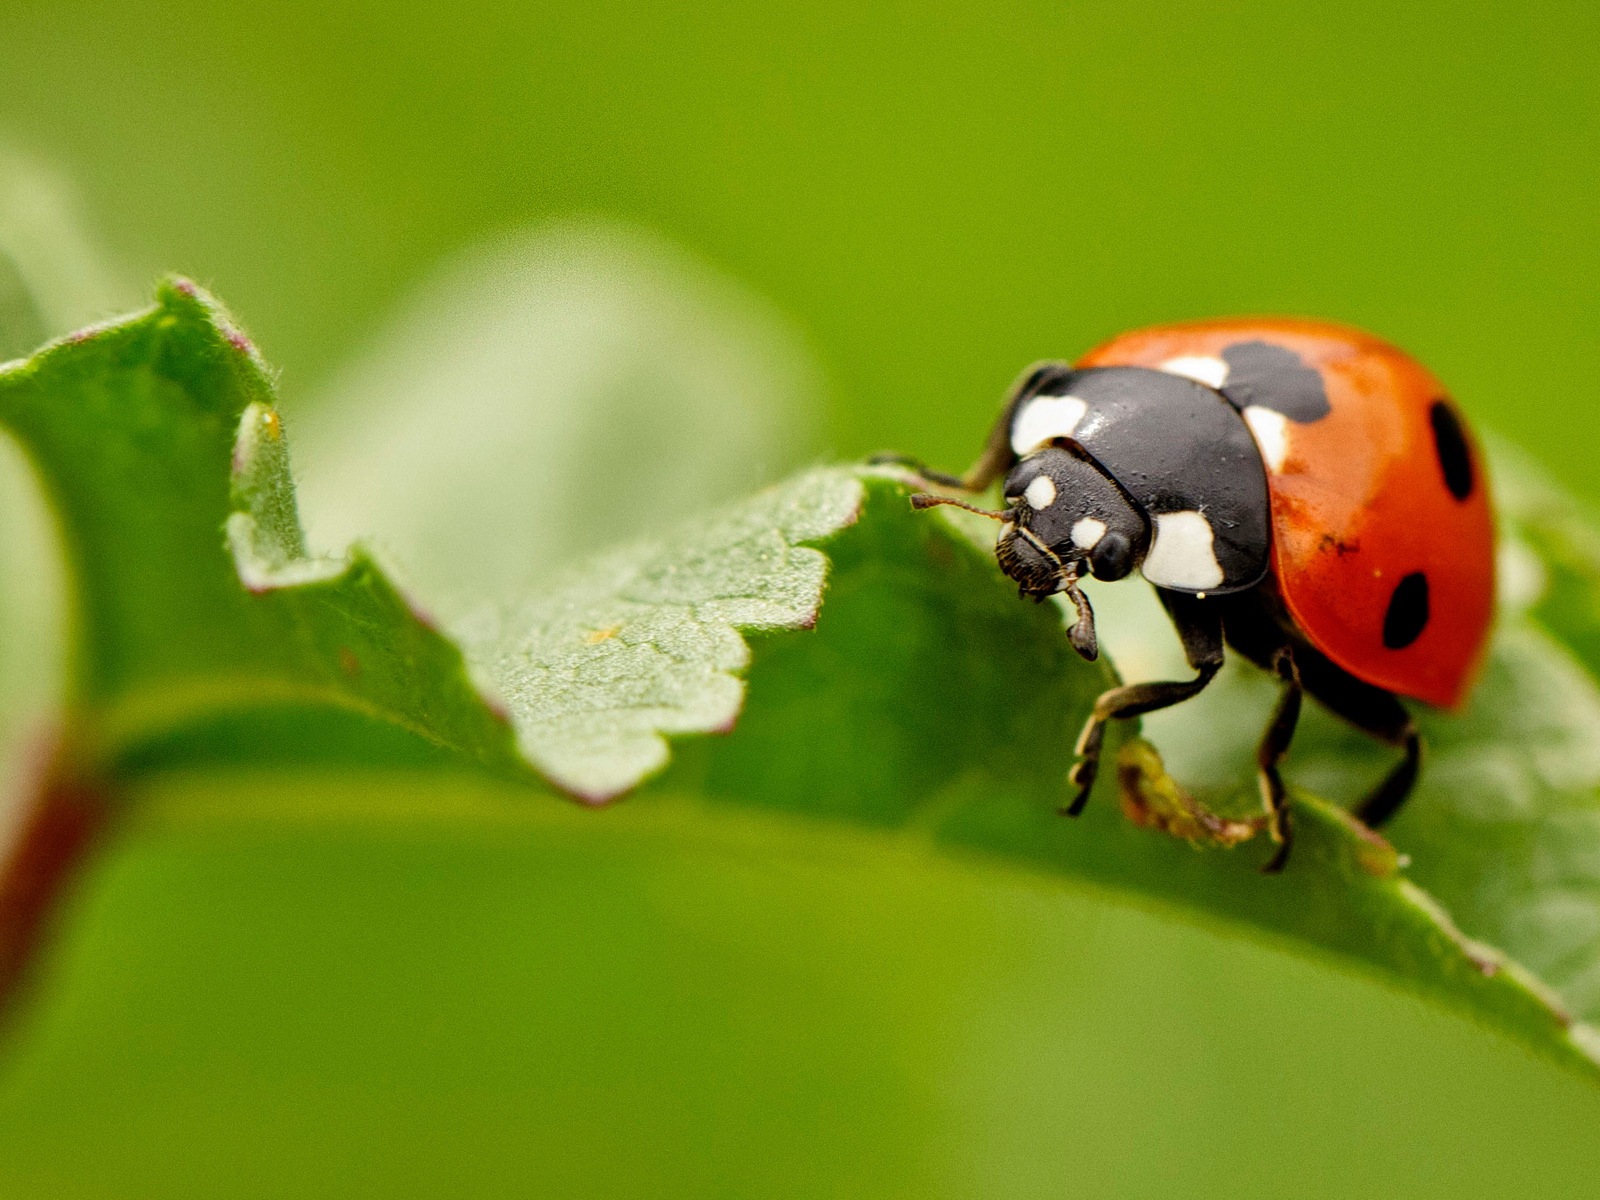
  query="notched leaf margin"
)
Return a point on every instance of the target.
[{"x": 649, "y": 641}]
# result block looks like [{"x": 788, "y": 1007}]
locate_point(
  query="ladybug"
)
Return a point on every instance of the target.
[{"x": 1299, "y": 491}]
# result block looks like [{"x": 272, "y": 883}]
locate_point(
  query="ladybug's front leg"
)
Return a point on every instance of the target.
[{"x": 1199, "y": 624}]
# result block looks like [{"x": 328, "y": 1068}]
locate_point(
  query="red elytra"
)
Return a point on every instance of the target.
[{"x": 1361, "y": 498}]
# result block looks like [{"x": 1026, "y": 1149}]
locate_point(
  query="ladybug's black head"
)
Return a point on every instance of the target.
[{"x": 1065, "y": 519}]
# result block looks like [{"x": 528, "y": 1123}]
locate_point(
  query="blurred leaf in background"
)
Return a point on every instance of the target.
[
  {"x": 53, "y": 277},
  {"x": 936, "y": 195},
  {"x": 586, "y": 383}
]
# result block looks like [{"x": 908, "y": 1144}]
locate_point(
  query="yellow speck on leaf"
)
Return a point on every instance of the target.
[{"x": 596, "y": 636}]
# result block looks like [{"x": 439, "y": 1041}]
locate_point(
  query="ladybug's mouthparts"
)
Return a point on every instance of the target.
[
  {"x": 1040, "y": 573},
  {"x": 1036, "y": 568}
]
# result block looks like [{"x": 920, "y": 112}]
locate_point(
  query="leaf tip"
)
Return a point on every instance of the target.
[
  {"x": 182, "y": 299},
  {"x": 419, "y": 613},
  {"x": 605, "y": 770}
]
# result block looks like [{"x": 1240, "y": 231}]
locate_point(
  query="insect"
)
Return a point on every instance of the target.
[{"x": 1301, "y": 492}]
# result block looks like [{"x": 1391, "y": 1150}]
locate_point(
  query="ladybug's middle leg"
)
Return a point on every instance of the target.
[
  {"x": 1274, "y": 745},
  {"x": 1199, "y": 625}
]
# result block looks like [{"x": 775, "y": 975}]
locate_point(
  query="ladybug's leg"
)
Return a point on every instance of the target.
[
  {"x": 1378, "y": 713},
  {"x": 1199, "y": 625},
  {"x": 1383, "y": 801},
  {"x": 926, "y": 473},
  {"x": 997, "y": 458},
  {"x": 994, "y": 463},
  {"x": 1274, "y": 744}
]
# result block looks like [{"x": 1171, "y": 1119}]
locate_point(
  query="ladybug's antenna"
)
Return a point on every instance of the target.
[{"x": 920, "y": 500}]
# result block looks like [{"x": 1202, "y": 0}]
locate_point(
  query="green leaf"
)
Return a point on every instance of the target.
[
  {"x": 208, "y": 632},
  {"x": 647, "y": 641},
  {"x": 927, "y": 713},
  {"x": 159, "y": 451},
  {"x": 970, "y": 707}
]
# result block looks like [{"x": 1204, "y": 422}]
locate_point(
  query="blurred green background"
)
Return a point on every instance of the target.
[{"x": 933, "y": 195}]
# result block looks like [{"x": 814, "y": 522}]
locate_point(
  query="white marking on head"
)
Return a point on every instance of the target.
[
  {"x": 1181, "y": 554},
  {"x": 1041, "y": 493},
  {"x": 1271, "y": 431},
  {"x": 1043, "y": 419},
  {"x": 1202, "y": 368},
  {"x": 1087, "y": 532}
]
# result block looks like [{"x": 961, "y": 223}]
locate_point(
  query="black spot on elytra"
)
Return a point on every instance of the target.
[
  {"x": 1268, "y": 376},
  {"x": 1408, "y": 612},
  {"x": 1455, "y": 459}
]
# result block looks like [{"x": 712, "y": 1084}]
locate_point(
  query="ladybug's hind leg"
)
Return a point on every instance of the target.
[
  {"x": 1199, "y": 624},
  {"x": 1385, "y": 800},
  {"x": 1375, "y": 712}
]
